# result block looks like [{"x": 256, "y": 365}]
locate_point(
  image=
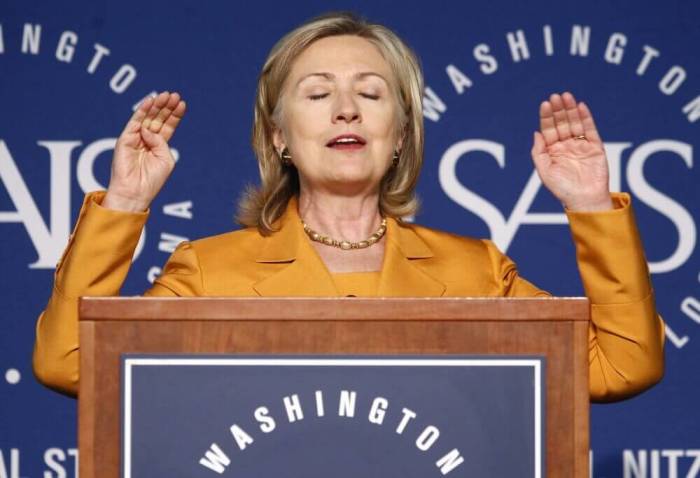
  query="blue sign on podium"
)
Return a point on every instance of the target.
[{"x": 341, "y": 416}]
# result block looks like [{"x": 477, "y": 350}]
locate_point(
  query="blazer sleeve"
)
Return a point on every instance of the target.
[
  {"x": 95, "y": 263},
  {"x": 626, "y": 335}
]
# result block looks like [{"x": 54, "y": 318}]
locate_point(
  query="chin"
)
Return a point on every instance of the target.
[
  {"x": 350, "y": 169},
  {"x": 350, "y": 182}
]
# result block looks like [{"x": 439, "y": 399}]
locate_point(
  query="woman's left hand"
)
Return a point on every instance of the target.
[{"x": 574, "y": 170}]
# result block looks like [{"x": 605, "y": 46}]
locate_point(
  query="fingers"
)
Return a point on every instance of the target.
[
  {"x": 589, "y": 128},
  {"x": 160, "y": 115},
  {"x": 165, "y": 114},
  {"x": 547, "y": 125},
  {"x": 159, "y": 103},
  {"x": 134, "y": 123},
  {"x": 572, "y": 114},
  {"x": 171, "y": 122},
  {"x": 562, "y": 118}
]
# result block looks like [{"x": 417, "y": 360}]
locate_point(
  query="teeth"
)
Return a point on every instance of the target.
[{"x": 347, "y": 140}]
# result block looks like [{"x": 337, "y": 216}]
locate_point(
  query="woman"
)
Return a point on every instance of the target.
[{"x": 338, "y": 133}]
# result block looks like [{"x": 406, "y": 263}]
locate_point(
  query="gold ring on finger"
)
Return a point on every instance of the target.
[{"x": 581, "y": 137}]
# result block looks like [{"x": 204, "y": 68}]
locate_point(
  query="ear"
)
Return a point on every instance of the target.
[
  {"x": 278, "y": 139},
  {"x": 399, "y": 143}
]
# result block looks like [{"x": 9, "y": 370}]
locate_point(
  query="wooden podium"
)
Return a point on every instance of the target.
[{"x": 555, "y": 328}]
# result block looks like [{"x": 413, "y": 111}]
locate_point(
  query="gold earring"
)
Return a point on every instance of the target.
[
  {"x": 395, "y": 159},
  {"x": 285, "y": 157}
]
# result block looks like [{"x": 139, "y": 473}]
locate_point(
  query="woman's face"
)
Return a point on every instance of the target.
[{"x": 339, "y": 85}]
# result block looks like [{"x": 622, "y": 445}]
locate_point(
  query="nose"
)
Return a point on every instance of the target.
[{"x": 346, "y": 109}]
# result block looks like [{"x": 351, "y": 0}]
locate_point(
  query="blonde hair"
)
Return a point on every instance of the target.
[{"x": 261, "y": 206}]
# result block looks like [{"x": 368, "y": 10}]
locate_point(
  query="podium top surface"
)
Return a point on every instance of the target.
[{"x": 333, "y": 308}]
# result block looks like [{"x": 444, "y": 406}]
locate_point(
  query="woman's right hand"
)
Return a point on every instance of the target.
[{"x": 142, "y": 160}]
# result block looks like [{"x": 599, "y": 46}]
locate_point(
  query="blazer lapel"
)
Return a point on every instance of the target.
[
  {"x": 401, "y": 275},
  {"x": 301, "y": 270}
]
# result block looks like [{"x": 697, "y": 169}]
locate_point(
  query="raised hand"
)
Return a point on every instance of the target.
[
  {"x": 569, "y": 155},
  {"x": 142, "y": 160}
]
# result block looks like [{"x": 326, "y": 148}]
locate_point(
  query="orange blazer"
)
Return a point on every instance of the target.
[{"x": 626, "y": 335}]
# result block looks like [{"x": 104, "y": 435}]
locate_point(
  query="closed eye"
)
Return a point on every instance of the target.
[{"x": 323, "y": 95}]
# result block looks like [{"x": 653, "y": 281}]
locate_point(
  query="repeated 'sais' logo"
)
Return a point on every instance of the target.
[{"x": 574, "y": 41}]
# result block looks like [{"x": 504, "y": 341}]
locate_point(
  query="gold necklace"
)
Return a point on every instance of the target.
[{"x": 346, "y": 245}]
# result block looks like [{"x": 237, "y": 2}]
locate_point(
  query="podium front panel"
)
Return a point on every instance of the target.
[{"x": 319, "y": 416}]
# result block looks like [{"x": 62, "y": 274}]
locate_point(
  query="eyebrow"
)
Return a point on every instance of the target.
[{"x": 331, "y": 76}]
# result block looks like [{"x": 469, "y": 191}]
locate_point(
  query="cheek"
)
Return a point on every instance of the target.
[
  {"x": 384, "y": 138},
  {"x": 383, "y": 122},
  {"x": 306, "y": 124}
]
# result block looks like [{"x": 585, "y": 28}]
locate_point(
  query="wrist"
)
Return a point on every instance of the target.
[
  {"x": 602, "y": 204},
  {"x": 120, "y": 203}
]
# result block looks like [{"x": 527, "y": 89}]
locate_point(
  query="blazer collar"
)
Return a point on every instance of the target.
[{"x": 303, "y": 273}]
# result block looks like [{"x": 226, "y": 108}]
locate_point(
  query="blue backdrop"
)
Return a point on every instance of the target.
[{"x": 71, "y": 73}]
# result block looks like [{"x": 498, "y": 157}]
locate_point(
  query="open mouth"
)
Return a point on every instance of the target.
[{"x": 347, "y": 142}]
